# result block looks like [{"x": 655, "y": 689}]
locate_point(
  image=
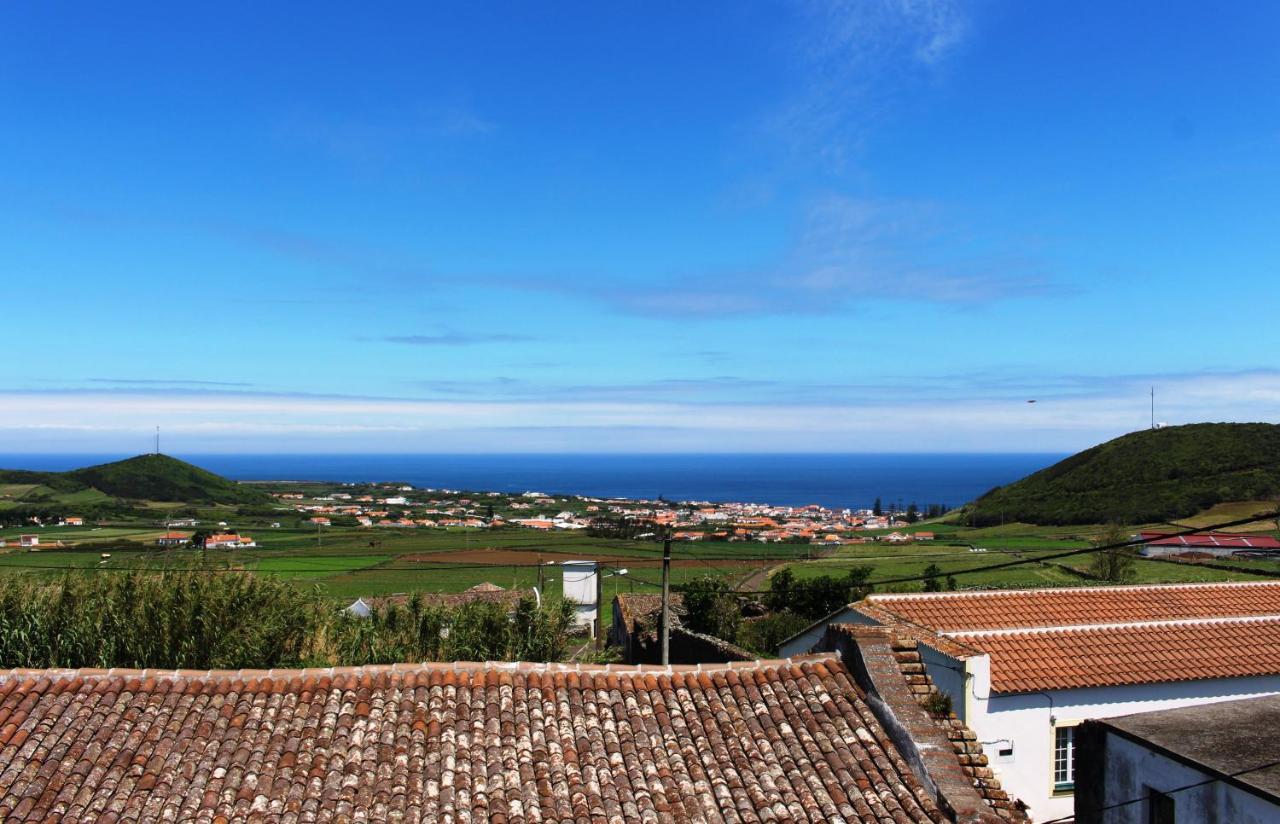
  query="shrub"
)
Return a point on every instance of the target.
[
  {"x": 763, "y": 635},
  {"x": 711, "y": 608},
  {"x": 816, "y": 597}
]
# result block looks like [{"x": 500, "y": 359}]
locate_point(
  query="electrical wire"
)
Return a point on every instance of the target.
[
  {"x": 1071, "y": 818},
  {"x": 442, "y": 566},
  {"x": 1056, "y": 555}
]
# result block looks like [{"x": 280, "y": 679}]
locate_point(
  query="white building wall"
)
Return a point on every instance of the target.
[
  {"x": 1132, "y": 768},
  {"x": 950, "y": 675},
  {"x": 1024, "y": 720},
  {"x": 807, "y": 640},
  {"x": 580, "y": 587}
]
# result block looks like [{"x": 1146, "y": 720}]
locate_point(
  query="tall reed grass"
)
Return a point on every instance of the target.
[{"x": 183, "y": 619}]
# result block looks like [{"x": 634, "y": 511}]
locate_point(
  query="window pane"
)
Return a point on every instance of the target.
[{"x": 1064, "y": 756}]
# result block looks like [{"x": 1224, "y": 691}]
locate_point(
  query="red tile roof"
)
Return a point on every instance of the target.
[
  {"x": 1033, "y": 660},
  {"x": 790, "y": 740},
  {"x": 959, "y": 611},
  {"x": 1219, "y": 540}
]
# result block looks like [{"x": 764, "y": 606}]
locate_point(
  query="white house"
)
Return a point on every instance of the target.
[
  {"x": 228, "y": 540},
  {"x": 1214, "y": 762},
  {"x": 1023, "y": 667}
]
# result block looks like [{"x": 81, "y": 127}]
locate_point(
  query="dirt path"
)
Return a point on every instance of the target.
[{"x": 757, "y": 580}]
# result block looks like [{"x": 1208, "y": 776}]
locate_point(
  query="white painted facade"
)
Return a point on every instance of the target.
[
  {"x": 580, "y": 587},
  {"x": 1025, "y": 722},
  {"x": 1133, "y": 770}
]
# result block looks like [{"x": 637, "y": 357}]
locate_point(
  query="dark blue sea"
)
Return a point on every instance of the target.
[{"x": 837, "y": 481}]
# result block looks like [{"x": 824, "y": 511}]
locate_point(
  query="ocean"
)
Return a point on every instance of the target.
[{"x": 836, "y": 481}]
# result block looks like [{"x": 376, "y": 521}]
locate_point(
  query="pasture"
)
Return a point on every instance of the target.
[{"x": 347, "y": 563}]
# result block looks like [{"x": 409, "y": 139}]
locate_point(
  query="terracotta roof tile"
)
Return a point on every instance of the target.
[
  {"x": 1032, "y": 660},
  {"x": 961, "y": 611},
  {"x": 634, "y": 608},
  {"x": 495, "y": 742}
]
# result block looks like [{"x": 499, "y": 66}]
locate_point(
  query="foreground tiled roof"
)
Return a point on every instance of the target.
[
  {"x": 1033, "y": 660},
  {"x": 959, "y": 611},
  {"x": 910, "y": 667},
  {"x": 786, "y": 740}
]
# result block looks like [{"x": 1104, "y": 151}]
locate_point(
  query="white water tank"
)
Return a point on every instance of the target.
[{"x": 580, "y": 587}]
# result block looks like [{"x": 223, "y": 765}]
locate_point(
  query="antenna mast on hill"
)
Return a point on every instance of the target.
[
  {"x": 1153, "y": 407},
  {"x": 157, "y": 440}
]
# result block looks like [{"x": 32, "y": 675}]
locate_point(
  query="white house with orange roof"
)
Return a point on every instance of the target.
[
  {"x": 1023, "y": 667},
  {"x": 228, "y": 540}
]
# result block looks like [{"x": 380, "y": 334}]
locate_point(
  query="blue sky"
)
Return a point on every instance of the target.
[{"x": 877, "y": 225}]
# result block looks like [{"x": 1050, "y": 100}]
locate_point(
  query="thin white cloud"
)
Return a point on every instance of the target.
[
  {"x": 452, "y": 338},
  {"x": 849, "y": 250},
  {"x": 378, "y": 136},
  {"x": 853, "y": 57},
  {"x": 51, "y": 421}
]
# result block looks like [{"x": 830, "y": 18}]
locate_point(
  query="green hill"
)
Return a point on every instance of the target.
[
  {"x": 1144, "y": 477},
  {"x": 144, "y": 477}
]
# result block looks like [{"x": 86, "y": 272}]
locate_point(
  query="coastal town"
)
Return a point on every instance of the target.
[{"x": 410, "y": 508}]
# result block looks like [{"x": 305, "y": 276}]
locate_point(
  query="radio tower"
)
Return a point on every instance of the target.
[
  {"x": 1153, "y": 407},
  {"x": 157, "y": 440}
]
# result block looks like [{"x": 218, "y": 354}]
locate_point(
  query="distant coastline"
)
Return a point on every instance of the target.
[{"x": 835, "y": 481}]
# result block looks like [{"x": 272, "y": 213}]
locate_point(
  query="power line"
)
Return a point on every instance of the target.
[
  {"x": 1083, "y": 551},
  {"x": 1054, "y": 556},
  {"x": 441, "y": 566},
  {"x": 1071, "y": 818},
  {"x": 242, "y": 570}
]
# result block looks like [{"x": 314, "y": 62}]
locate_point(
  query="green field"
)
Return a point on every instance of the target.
[
  {"x": 350, "y": 563},
  {"x": 346, "y": 563}
]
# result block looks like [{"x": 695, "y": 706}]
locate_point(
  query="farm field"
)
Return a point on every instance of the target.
[
  {"x": 346, "y": 563},
  {"x": 350, "y": 563}
]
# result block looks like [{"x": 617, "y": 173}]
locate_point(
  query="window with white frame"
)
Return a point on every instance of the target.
[{"x": 1064, "y": 758}]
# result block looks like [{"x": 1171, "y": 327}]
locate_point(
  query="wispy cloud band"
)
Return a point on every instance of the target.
[{"x": 53, "y": 421}]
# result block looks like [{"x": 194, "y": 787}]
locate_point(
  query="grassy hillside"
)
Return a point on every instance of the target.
[
  {"x": 144, "y": 477},
  {"x": 1144, "y": 477}
]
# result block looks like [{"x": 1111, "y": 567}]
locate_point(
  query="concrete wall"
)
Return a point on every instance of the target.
[
  {"x": 806, "y": 641},
  {"x": 1127, "y": 770},
  {"x": 950, "y": 675},
  {"x": 1025, "y": 720}
]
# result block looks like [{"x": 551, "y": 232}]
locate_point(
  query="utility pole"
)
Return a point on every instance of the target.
[
  {"x": 666, "y": 601},
  {"x": 599, "y": 609}
]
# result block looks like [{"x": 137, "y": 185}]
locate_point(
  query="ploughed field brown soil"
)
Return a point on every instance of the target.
[{"x": 506, "y": 557}]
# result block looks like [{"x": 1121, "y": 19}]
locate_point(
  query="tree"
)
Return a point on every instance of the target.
[
  {"x": 816, "y": 597},
  {"x": 781, "y": 584},
  {"x": 913, "y": 513},
  {"x": 763, "y": 635},
  {"x": 711, "y": 607},
  {"x": 857, "y": 580},
  {"x": 877, "y": 509},
  {"x": 1116, "y": 564},
  {"x": 931, "y": 574}
]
